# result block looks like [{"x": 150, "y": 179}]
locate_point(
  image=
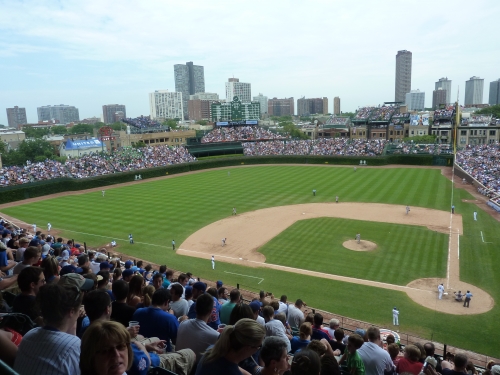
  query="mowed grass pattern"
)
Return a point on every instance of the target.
[
  {"x": 316, "y": 244},
  {"x": 158, "y": 211}
]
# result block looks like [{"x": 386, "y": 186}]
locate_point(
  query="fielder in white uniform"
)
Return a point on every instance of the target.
[
  {"x": 358, "y": 237},
  {"x": 48, "y": 227},
  {"x": 395, "y": 316},
  {"x": 213, "y": 262},
  {"x": 440, "y": 291},
  {"x": 34, "y": 228},
  {"x": 475, "y": 215},
  {"x": 103, "y": 192}
]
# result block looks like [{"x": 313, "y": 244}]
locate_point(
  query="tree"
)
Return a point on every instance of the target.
[
  {"x": 202, "y": 122},
  {"x": 59, "y": 130},
  {"x": 32, "y": 132},
  {"x": 290, "y": 128},
  {"x": 98, "y": 125},
  {"x": 82, "y": 128},
  {"x": 171, "y": 123},
  {"x": 493, "y": 110},
  {"x": 426, "y": 139},
  {"x": 31, "y": 149},
  {"x": 118, "y": 125},
  {"x": 347, "y": 114},
  {"x": 139, "y": 144}
]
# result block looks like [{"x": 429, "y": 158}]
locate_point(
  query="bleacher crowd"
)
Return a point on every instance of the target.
[
  {"x": 363, "y": 113},
  {"x": 239, "y": 133},
  {"x": 445, "y": 112},
  {"x": 483, "y": 163},
  {"x": 89, "y": 313},
  {"x": 322, "y": 146},
  {"x": 408, "y": 148},
  {"x": 142, "y": 122},
  {"x": 96, "y": 164}
]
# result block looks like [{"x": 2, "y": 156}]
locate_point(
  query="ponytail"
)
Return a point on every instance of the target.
[{"x": 222, "y": 346}]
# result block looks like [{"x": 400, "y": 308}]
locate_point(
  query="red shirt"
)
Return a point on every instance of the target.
[{"x": 405, "y": 365}]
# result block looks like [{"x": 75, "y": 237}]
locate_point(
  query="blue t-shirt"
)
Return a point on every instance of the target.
[
  {"x": 214, "y": 320},
  {"x": 141, "y": 364},
  {"x": 317, "y": 334},
  {"x": 155, "y": 322},
  {"x": 298, "y": 344},
  {"x": 3, "y": 258},
  {"x": 217, "y": 367}
]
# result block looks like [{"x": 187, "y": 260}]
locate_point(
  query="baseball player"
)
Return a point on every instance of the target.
[
  {"x": 223, "y": 241},
  {"x": 395, "y": 316},
  {"x": 48, "y": 227},
  {"x": 468, "y": 296},
  {"x": 173, "y": 245},
  {"x": 337, "y": 199},
  {"x": 314, "y": 192},
  {"x": 452, "y": 208},
  {"x": 407, "y": 209},
  {"x": 213, "y": 262},
  {"x": 440, "y": 291},
  {"x": 130, "y": 238},
  {"x": 228, "y": 173},
  {"x": 475, "y": 216},
  {"x": 234, "y": 211},
  {"x": 113, "y": 243},
  {"x": 354, "y": 169},
  {"x": 358, "y": 237},
  {"x": 103, "y": 192},
  {"x": 34, "y": 228}
]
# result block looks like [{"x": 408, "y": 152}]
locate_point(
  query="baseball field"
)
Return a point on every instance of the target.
[{"x": 287, "y": 241}]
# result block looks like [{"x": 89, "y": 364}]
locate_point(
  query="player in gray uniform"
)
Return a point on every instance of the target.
[{"x": 358, "y": 238}]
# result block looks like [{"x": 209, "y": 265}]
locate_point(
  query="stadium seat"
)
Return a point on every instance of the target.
[{"x": 6, "y": 370}]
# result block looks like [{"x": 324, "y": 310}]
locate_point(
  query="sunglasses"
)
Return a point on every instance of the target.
[{"x": 109, "y": 350}]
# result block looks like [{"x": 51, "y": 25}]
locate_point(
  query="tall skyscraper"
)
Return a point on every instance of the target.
[
  {"x": 403, "y": 75},
  {"x": 64, "y": 114},
  {"x": 415, "y": 100},
  {"x": 263, "y": 103},
  {"x": 494, "y": 98},
  {"x": 189, "y": 79},
  {"x": 439, "y": 97},
  {"x": 164, "y": 104},
  {"x": 336, "y": 105},
  {"x": 445, "y": 84},
  {"x": 240, "y": 89},
  {"x": 113, "y": 112},
  {"x": 474, "y": 89},
  {"x": 306, "y": 107},
  {"x": 281, "y": 107},
  {"x": 16, "y": 117}
]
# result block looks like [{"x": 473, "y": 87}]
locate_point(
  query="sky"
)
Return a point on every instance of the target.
[{"x": 95, "y": 52}]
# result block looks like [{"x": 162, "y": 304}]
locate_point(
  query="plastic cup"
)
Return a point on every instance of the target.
[{"x": 133, "y": 323}]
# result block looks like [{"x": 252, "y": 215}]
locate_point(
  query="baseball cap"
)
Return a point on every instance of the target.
[
  {"x": 34, "y": 242},
  {"x": 129, "y": 264},
  {"x": 45, "y": 249},
  {"x": 64, "y": 255},
  {"x": 219, "y": 283},
  {"x": 67, "y": 269},
  {"x": 360, "y": 332},
  {"x": 74, "y": 279},
  {"x": 128, "y": 272},
  {"x": 200, "y": 286},
  {"x": 104, "y": 265},
  {"x": 188, "y": 291},
  {"x": 495, "y": 370},
  {"x": 255, "y": 305}
]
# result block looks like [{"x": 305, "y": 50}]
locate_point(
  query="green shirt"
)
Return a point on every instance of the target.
[
  {"x": 225, "y": 312},
  {"x": 355, "y": 361}
]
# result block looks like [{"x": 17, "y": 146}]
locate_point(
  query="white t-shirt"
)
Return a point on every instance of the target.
[
  {"x": 276, "y": 328},
  {"x": 197, "y": 335},
  {"x": 295, "y": 317},
  {"x": 180, "y": 307}
]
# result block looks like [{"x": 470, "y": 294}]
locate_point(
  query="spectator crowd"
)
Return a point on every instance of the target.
[
  {"x": 89, "y": 313},
  {"x": 142, "y": 122},
  {"x": 482, "y": 162},
  {"x": 239, "y": 133}
]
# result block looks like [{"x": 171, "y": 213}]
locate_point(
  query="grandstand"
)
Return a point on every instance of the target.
[{"x": 144, "y": 124}]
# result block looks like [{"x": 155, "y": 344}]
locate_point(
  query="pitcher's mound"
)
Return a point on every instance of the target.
[{"x": 361, "y": 246}]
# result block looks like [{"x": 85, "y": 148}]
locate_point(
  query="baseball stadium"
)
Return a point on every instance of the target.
[{"x": 299, "y": 206}]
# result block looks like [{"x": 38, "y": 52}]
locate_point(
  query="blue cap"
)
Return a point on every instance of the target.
[
  {"x": 188, "y": 291},
  {"x": 129, "y": 264},
  {"x": 219, "y": 283},
  {"x": 200, "y": 286},
  {"x": 67, "y": 269},
  {"x": 128, "y": 272},
  {"x": 104, "y": 265},
  {"x": 255, "y": 305}
]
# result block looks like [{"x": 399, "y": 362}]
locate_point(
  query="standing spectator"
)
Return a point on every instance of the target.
[
  {"x": 53, "y": 349},
  {"x": 376, "y": 359},
  {"x": 120, "y": 311},
  {"x": 227, "y": 308}
]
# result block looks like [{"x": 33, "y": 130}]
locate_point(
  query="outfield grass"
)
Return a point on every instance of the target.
[
  {"x": 158, "y": 211},
  {"x": 316, "y": 244}
]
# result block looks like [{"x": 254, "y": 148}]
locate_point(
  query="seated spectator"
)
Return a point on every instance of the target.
[
  {"x": 239, "y": 312},
  {"x": 31, "y": 258},
  {"x": 23, "y": 245},
  {"x": 318, "y": 331},
  {"x": 225, "y": 310},
  {"x": 155, "y": 321},
  {"x": 295, "y": 315},
  {"x": 338, "y": 343},
  {"x": 178, "y": 305},
  {"x": 304, "y": 338},
  {"x": 198, "y": 289},
  {"x": 135, "y": 290},
  {"x": 283, "y": 305},
  {"x": 422, "y": 352},
  {"x": 235, "y": 344},
  {"x": 393, "y": 350},
  {"x": 458, "y": 366},
  {"x": 333, "y": 324},
  {"x": 53, "y": 349},
  {"x": 306, "y": 362},
  {"x": 50, "y": 270},
  {"x": 106, "y": 349},
  {"x": 195, "y": 334},
  {"x": 410, "y": 362},
  {"x": 274, "y": 356},
  {"x": 5, "y": 264},
  {"x": 9, "y": 340},
  {"x": 30, "y": 280},
  {"x": 354, "y": 363},
  {"x": 120, "y": 311},
  {"x": 255, "y": 305},
  {"x": 127, "y": 275},
  {"x": 158, "y": 280},
  {"x": 430, "y": 352},
  {"x": 147, "y": 293},
  {"x": 375, "y": 359},
  {"x": 222, "y": 294},
  {"x": 274, "y": 327}
]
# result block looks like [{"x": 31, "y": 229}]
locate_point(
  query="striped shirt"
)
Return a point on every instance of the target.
[{"x": 43, "y": 351}]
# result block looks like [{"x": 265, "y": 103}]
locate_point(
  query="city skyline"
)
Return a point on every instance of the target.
[{"x": 87, "y": 54}]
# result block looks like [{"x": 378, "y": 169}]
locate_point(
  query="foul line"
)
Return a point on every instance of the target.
[
  {"x": 239, "y": 274},
  {"x": 483, "y": 238},
  {"x": 108, "y": 237}
]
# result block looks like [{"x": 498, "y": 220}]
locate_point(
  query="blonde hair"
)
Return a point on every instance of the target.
[
  {"x": 98, "y": 336},
  {"x": 246, "y": 332},
  {"x": 305, "y": 330},
  {"x": 148, "y": 292}
]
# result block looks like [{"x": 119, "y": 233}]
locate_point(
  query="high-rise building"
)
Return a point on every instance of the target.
[
  {"x": 445, "y": 84},
  {"x": 439, "y": 97},
  {"x": 494, "y": 98},
  {"x": 204, "y": 96},
  {"x": 415, "y": 100},
  {"x": 240, "y": 89},
  {"x": 199, "y": 109},
  {"x": 164, "y": 104},
  {"x": 403, "y": 75},
  {"x": 306, "y": 107},
  {"x": 263, "y": 103},
  {"x": 112, "y": 113},
  {"x": 16, "y": 117},
  {"x": 64, "y": 114},
  {"x": 474, "y": 89},
  {"x": 235, "y": 110},
  {"x": 189, "y": 80},
  {"x": 336, "y": 105},
  {"x": 281, "y": 107}
]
